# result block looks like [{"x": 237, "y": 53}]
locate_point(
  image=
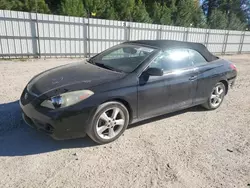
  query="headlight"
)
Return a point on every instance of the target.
[{"x": 66, "y": 99}]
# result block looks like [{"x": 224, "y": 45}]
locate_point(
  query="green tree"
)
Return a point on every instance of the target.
[
  {"x": 211, "y": 5},
  {"x": 156, "y": 12},
  {"x": 25, "y": 5},
  {"x": 184, "y": 15},
  {"x": 161, "y": 14},
  {"x": 234, "y": 23},
  {"x": 124, "y": 9},
  {"x": 96, "y": 6},
  {"x": 166, "y": 15},
  {"x": 72, "y": 8},
  {"x": 110, "y": 12},
  {"x": 229, "y": 10},
  {"x": 140, "y": 13},
  {"x": 199, "y": 18},
  {"x": 54, "y": 6},
  {"x": 235, "y": 15},
  {"x": 35, "y": 6},
  {"x": 5, "y": 4},
  {"x": 218, "y": 20}
]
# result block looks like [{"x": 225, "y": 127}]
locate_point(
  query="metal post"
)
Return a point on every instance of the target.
[
  {"x": 185, "y": 36},
  {"x": 27, "y": 44},
  {"x": 1, "y": 47},
  {"x": 241, "y": 42},
  {"x": 85, "y": 40},
  {"x": 38, "y": 38},
  {"x": 88, "y": 36},
  {"x": 55, "y": 34},
  {"x": 159, "y": 32},
  {"x": 6, "y": 34},
  {"x": 37, "y": 33},
  {"x": 224, "y": 47},
  {"x": 19, "y": 34},
  {"x": 14, "y": 40},
  {"x": 207, "y": 37},
  {"x": 126, "y": 32}
]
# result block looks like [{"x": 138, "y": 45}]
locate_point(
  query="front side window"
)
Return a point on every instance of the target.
[
  {"x": 173, "y": 59},
  {"x": 124, "y": 58}
]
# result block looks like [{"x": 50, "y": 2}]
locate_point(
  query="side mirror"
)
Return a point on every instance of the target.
[{"x": 154, "y": 72}]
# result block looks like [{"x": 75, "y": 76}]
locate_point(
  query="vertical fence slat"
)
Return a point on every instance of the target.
[
  {"x": 88, "y": 37},
  {"x": 85, "y": 42},
  {"x": 19, "y": 34},
  {"x": 224, "y": 47},
  {"x": 6, "y": 34},
  {"x": 38, "y": 37},
  {"x": 241, "y": 42},
  {"x": 54, "y": 27},
  {"x": 207, "y": 37},
  {"x": 12, "y": 28},
  {"x": 159, "y": 33}
]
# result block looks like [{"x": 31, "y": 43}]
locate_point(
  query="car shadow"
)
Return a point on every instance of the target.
[{"x": 18, "y": 139}]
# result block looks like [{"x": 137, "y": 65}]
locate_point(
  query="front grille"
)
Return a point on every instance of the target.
[{"x": 27, "y": 97}]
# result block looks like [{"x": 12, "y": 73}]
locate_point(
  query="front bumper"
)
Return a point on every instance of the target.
[{"x": 60, "y": 125}]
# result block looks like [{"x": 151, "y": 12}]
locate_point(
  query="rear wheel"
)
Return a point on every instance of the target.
[
  {"x": 216, "y": 97},
  {"x": 109, "y": 122}
]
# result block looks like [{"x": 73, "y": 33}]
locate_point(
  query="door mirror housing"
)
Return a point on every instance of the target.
[{"x": 154, "y": 71}]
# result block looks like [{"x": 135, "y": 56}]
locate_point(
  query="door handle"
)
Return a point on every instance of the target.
[{"x": 193, "y": 78}]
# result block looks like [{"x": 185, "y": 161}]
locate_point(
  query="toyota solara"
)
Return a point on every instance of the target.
[{"x": 127, "y": 83}]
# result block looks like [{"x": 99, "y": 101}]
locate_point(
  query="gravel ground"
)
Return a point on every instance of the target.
[{"x": 192, "y": 148}]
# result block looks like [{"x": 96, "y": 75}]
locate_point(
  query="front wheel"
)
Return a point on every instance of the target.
[
  {"x": 109, "y": 122},
  {"x": 216, "y": 97}
]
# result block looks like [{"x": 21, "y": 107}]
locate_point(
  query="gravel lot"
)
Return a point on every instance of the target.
[{"x": 192, "y": 148}]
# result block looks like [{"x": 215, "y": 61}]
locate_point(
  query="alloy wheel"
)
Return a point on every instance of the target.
[
  {"x": 217, "y": 96},
  {"x": 110, "y": 123}
]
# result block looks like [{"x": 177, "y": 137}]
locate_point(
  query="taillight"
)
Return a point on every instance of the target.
[{"x": 232, "y": 66}]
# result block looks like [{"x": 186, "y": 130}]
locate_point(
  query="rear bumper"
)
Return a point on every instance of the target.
[
  {"x": 61, "y": 125},
  {"x": 231, "y": 82}
]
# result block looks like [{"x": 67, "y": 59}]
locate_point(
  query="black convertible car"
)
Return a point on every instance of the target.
[{"x": 127, "y": 83}]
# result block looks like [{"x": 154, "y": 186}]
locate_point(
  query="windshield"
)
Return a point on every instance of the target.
[{"x": 122, "y": 58}]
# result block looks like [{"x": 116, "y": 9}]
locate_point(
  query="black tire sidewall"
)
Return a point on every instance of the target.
[{"x": 92, "y": 132}]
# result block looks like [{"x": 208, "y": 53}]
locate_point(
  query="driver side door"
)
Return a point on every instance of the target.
[
  {"x": 151, "y": 91},
  {"x": 174, "y": 90}
]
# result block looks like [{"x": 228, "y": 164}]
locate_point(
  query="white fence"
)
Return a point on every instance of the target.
[{"x": 24, "y": 34}]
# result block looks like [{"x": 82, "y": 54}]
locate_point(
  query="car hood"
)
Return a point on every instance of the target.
[{"x": 82, "y": 74}]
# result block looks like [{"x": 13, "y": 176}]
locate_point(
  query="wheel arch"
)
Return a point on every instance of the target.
[
  {"x": 126, "y": 104},
  {"x": 225, "y": 84}
]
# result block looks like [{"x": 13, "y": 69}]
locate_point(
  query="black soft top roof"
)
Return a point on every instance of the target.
[{"x": 166, "y": 44}]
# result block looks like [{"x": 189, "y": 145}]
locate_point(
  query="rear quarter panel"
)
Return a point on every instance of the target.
[{"x": 208, "y": 75}]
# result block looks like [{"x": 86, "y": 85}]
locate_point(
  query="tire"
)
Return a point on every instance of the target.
[
  {"x": 108, "y": 116},
  {"x": 216, "y": 95}
]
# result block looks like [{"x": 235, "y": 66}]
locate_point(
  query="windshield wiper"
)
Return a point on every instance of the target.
[{"x": 107, "y": 67}]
